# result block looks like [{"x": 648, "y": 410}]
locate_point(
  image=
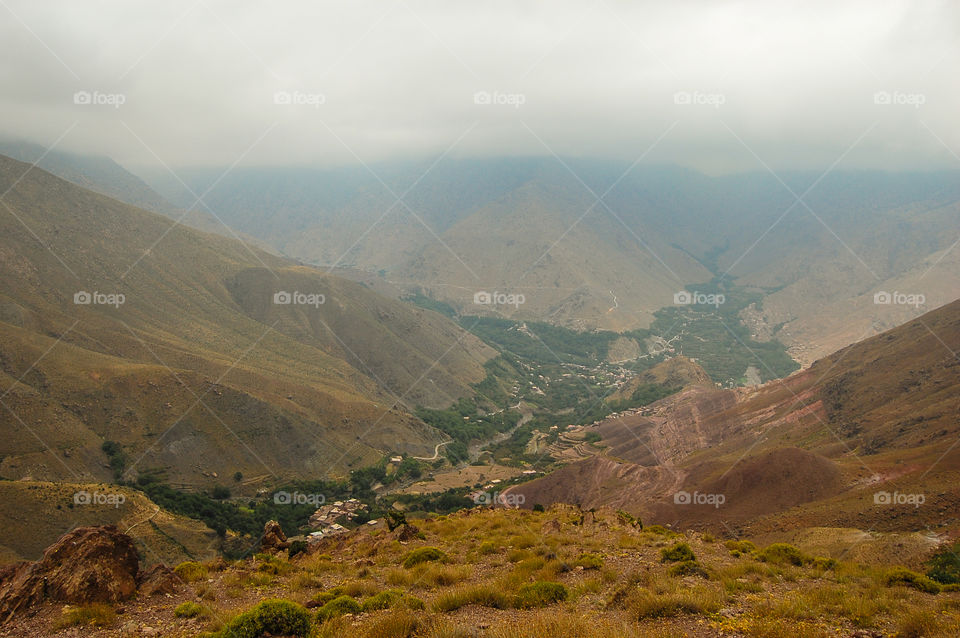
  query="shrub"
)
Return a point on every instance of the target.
[
  {"x": 739, "y": 548},
  {"x": 190, "y": 609},
  {"x": 92, "y": 615},
  {"x": 626, "y": 518},
  {"x": 422, "y": 555},
  {"x": 296, "y": 547},
  {"x": 677, "y": 553},
  {"x": 660, "y": 530},
  {"x": 689, "y": 568},
  {"x": 907, "y": 578},
  {"x": 540, "y": 594},
  {"x": 945, "y": 566},
  {"x": 338, "y": 607},
  {"x": 190, "y": 571},
  {"x": 271, "y": 617},
  {"x": 781, "y": 554},
  {"x": 384, "y": 600},
  {"x": 483, "y": 595},
  {"x": 590, "y": 561},
  {"x": 820, "y": 562},
  {"x": 323, "y": 598},
  {"x": 644, "y": 603}
]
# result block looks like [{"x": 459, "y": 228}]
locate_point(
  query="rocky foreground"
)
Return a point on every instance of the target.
[{"x": 483, "y": 572}]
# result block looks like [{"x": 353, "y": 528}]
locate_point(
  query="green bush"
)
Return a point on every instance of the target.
[
  {"x": 820, "y": 562},
  {"x": 739, "y": 548},
  {"x": 324, "y": 597},
  {"x": 422, "y": 555},
  {"x": 296, "y": 547},
  {"x": 383, "y": 600},
  {"x": 338, "y": 607},
  {"x": 907, "y": 578},
  {"x": 677, "y": 553},
  {"x": 271, "y": 617},
  {"x": 92, "y": 615},
  {"x": 190, "y": 571},
  {"x": 390, "y": 599},
  {"x": 483, "y": 595},
  {"x": 590, "y": 561},
  {"x": 540, "y": 594},
  {"x": 190, "y": 609},
  {"x": 689, "y": 568},
  {"x": 945, "y": 565},
  {"x": 782, "y": 554}
]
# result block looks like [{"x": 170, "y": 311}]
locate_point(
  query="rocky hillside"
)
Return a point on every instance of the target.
[
  {"x": 864, "y": 438},
  {"x": 197, "y": 355},
  {"x": 488, "y": 573}
]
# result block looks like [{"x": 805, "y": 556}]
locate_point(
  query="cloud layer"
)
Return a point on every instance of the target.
[{"x": 713, "y": 85}]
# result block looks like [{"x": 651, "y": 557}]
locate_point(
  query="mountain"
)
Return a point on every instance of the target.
[
  {"x": 818, "y": 247},
  {"x": 96, "y": 173},
  {"x": 178, "y": 353},
  {"x": 864, "y": 438}
]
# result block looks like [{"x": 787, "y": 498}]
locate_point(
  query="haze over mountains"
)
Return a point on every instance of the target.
[
  {"x": 422, "y": 319},
  {"x": 196, "y": 368},
  {"x": 593, "y": 244}
]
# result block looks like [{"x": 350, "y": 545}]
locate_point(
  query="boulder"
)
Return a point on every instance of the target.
[
  {"x": 273, "y": 539},
  {"x": 87, "y": 564},
  {"x": 406, "y": 532},
  {"x": 158, "y": 579}
]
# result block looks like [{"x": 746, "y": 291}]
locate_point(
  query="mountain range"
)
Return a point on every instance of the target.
[
  {"x": 603, "y": 244},
  {"x": 197, "y": 353}
]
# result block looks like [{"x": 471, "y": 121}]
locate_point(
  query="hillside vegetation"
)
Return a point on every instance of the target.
[{"x": 561, "y": 573}]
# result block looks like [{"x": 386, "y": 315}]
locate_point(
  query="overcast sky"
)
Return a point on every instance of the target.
[{"x": 719, "y": 86}]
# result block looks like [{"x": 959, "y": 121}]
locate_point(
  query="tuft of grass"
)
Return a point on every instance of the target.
[
  {"x": 782, "y": 554},
  {"x": 444, "y": 575},
  {"x": 677, "y": 553},
  {"x": 740, "y": 548},
  {"x": 483, "y": 595},
  {"x": 422, "y": 555},
  {"x": 590, "y": 561},
  {"x": 92, "y": 615},
  {"x": 689, "y": 568},
  {"x": 646, "y": 603},
  {"x": 190, "y": 609},
  {"x": 540, "y": 594},
  {"x": 190, "y": 571},
  {"x": 907, "y": 578}
]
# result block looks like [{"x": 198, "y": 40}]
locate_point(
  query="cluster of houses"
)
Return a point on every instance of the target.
[{"x": 324, "y": 522}]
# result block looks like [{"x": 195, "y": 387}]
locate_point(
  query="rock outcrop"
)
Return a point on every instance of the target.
[
  {"x": 273, "y": 539},
  {"x": 88, "y": 564}
]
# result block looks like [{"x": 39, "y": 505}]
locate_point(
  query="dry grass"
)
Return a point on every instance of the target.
[{"x": 614, "y": 582}]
